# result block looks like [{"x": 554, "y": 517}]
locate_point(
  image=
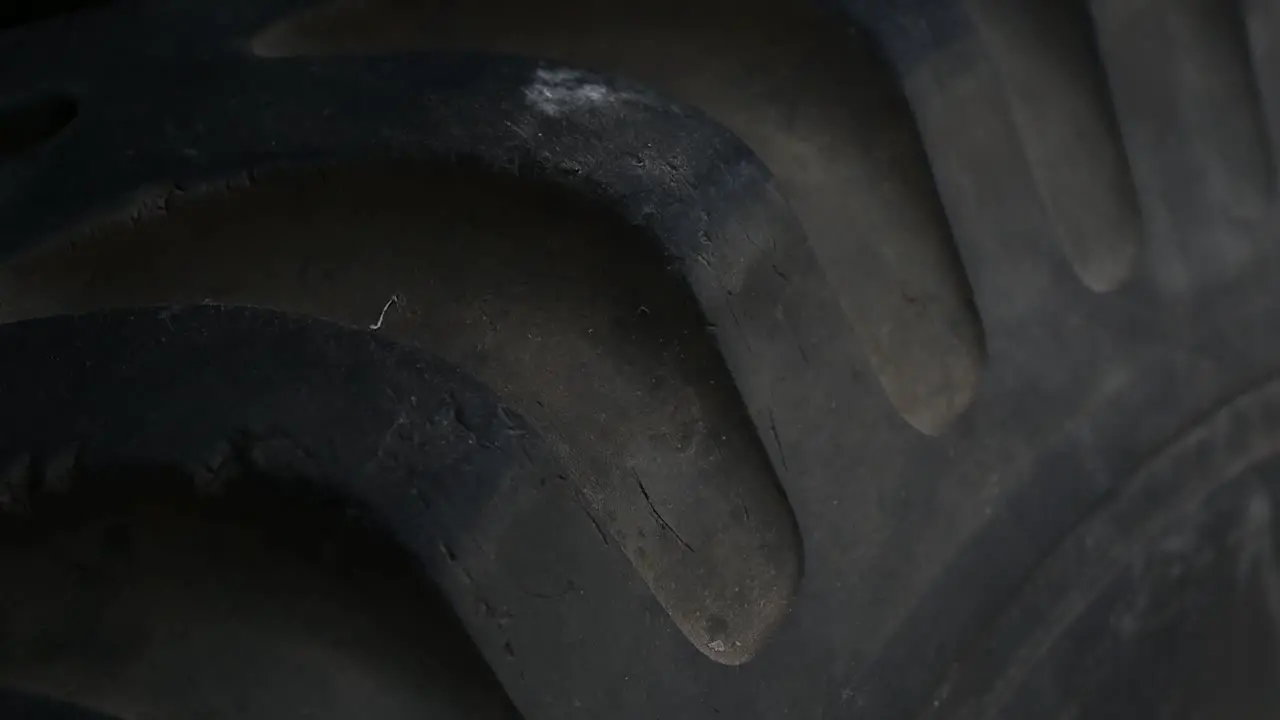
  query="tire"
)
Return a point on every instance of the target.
[{"x": 872, "y": 359}]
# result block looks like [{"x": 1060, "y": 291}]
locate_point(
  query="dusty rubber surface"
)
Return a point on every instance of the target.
[
  {"x": 779, "y": 76},
  {"x": 917, "y": 492},
  {"x": 571, "y": 316}
]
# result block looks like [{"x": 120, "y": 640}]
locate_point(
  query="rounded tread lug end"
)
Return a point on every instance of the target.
[{"x": 1183, "y": 85}]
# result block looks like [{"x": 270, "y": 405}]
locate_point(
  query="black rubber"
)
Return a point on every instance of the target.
[
  {"x": 31, "y": 707},
  {"x": 700, "y": 441}
]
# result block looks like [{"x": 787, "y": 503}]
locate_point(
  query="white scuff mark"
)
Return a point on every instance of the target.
[
  {"x": 554, "y": 92},
  {"x": 393, "y": 300}
]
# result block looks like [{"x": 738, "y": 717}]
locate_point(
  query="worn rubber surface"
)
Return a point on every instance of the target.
[{"x": 952, "y": 396}]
